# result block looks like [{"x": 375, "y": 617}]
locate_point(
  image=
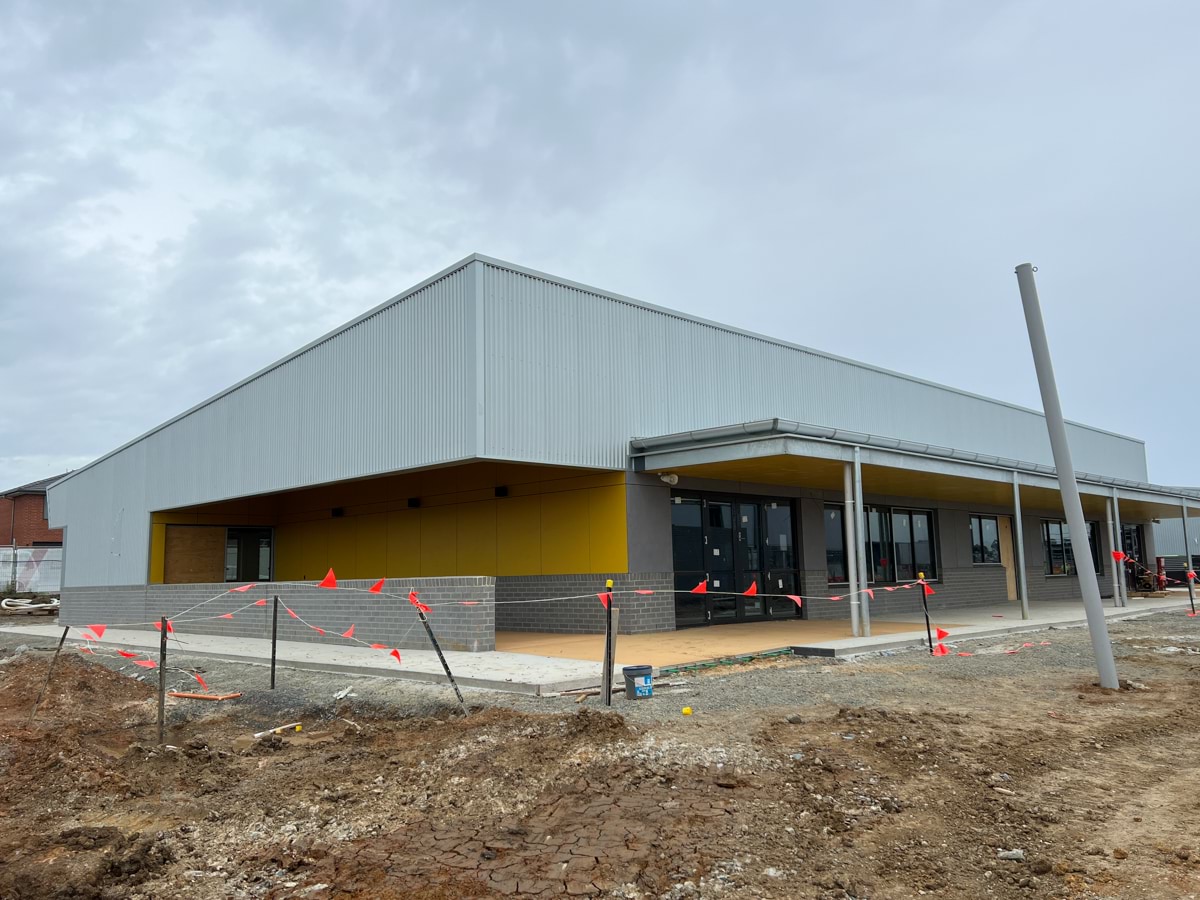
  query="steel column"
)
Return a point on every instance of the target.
[
  {"x": 1119, "y": 544},
  {"x": 1114, "y": 567},
  {"x": 1019, "y": 540},
  {"x": 1187, "y": 556},
  {"x": 851, "y": 549},
  {"x": 860, "y": 527}
]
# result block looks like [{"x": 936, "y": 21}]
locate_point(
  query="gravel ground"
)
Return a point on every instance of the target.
[{"x": 893, "y": 676}]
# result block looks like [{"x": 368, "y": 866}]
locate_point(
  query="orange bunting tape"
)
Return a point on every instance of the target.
[
  {"x": 329, "y": 581},
  {"x": 377, "y": 587},
  {"x": 98, "y": 630}
]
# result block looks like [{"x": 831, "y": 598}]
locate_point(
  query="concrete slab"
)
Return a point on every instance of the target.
[
  {"x": 516, "y": 672},
  {"x": 544, "y": 667}
]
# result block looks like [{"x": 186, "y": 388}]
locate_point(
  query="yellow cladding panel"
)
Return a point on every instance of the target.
[
  {"x": 566, "y": 533},
  {"x": 476, "y": 538},
  {"x": 371, "y": 544},
  {"x": 342, "y": 557},
  {"x": 403, "y": 543},
  {"x": 158, "y": 553},
  {"x": 439, "y": 537},
  {"x": 301, "y": 551},
  {"x": 519, "y": 536},
  {"x": 609, "y": 534}
]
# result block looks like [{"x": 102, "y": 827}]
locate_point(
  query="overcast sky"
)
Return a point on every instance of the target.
[{"x": 191, "y": 191}]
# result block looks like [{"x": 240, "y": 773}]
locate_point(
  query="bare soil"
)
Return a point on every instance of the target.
[{"x": 913, "y": 792}]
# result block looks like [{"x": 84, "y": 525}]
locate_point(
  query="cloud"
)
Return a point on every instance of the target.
[{"x": 190, "y": 191}]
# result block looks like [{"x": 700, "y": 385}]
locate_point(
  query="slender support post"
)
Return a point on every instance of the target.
[
  {"x": 606, "y": 676},
  {"x": 1068, "y": 488},
  {"x": 49, "y": 672},
  {"x": 1019, "y": 539},
  {"x": 162, "y": 681},
  {"x": 861, "y": 529},
  {"x": 274, "y": 635},
  {"x": 442, "y": 659},
  {"x": 1114, "y": 567},
  {"x": 1187, "y": 556},
  {"x": 1119, "y": 544},
  {"x": 851, "y": 557},
  {"x": 925, "y": 607}
]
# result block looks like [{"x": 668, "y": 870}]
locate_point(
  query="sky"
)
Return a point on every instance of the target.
[{"x": 189, "y": 192}]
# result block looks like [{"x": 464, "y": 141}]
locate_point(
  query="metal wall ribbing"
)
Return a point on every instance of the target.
[
  {"x": 603, "y": 369},
  {"x": 393, "y": 390}
]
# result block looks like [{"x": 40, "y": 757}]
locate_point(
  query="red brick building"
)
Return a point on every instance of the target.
[{"x": 23, "y": 516}]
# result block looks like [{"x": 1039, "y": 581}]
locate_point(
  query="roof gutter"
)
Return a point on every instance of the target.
[{"x": 764, "y": 429}]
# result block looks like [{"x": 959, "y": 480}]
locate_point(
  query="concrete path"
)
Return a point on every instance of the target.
[{"x": 530, "y": 673}]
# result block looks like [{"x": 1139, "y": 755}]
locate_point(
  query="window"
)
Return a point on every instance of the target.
[
  {"x": 1059, "y": 553},
  {"x": 985, "y": 540},
  {"x": 898, "y": 544},
  {"x": 835, "y": 545}
]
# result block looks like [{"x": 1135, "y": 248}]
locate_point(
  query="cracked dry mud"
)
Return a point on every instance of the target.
[{"x": 912, "y": 793}]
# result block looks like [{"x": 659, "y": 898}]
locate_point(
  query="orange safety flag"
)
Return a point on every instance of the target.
[
  {"x": 127, "y": 654},
  {"x": 870, "y": 593},
  {"x": 1118, "y": 555},
  {"x": 395, "y": 653},
  {"x": 170, "y": 627},
  {"x": 906, "y": 586},
  {"x": 226, "y": 616},
  {"x": 605, "y": 599},
  {"x": 799, "y": 600},
  {"x": 201, "y": 680},
  {"x": 941, "y": 650},
  {"x": 1027, "y": 644},
  {"x": 1011, "y": 652},
  {"x": 643, "y": 592},
  {"x": 320, "y": 631},
  {"x": 291, "y": 612},
  {"x": 349, "y": 632},
  {"x": 468, "y": 602},
  {"x": 751, "y": 591},
  {"x": 262, "y": 602},
  {"x": 889, "y": 589},
  {"x": 379, "y": 646},
  {"x": 963, "y": 653},
  {"x": 835, "y": 598},
  {"x": 929, "y": 592},
  {"x": 377, "y": 587},
  {"x": 941, "y": 633},
  {"x": 242, "y": 589},
  {"x": 1191, "y": 576},
  {"x": 1191, "y": 615},
  {"x": 1045, "y": 643},
  {"x": 88, "y": 636},
  {"x": 86, "y": 649},
  {"x": 329, "y": 581},
  {"x": 412, "y": 598},
  {"x": 146, "y": 663},
  {"x": 701, "y": 588},
  {"x": 98, "y": 630}
]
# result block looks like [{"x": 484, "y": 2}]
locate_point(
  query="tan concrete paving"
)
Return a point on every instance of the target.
[{"x": 674, "y": 648}]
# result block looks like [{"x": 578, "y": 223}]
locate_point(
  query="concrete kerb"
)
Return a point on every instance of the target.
[{"x": 850, "y": 648}]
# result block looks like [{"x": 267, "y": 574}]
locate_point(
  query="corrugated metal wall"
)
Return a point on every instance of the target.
[
  {"x": 571, "y": 375},
  {"x": 395, "y": 390},
  {"x": 1168, "y": 536},
  {"x": 497, "y": 362}
]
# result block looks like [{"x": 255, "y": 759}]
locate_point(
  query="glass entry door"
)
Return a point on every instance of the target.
[{"x": 730, "y": 544}]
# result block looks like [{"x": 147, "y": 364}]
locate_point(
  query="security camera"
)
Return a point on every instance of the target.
[{"x": 670, "y": 478}]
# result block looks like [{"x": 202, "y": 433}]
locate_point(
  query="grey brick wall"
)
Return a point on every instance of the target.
[
  {"x": 517, "y": 609},
  {"x": 377, "y": 618}
]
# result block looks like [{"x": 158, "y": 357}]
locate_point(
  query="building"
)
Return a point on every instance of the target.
[
  {"x": 498, "y": 437},
  {"x": 30, "y": 550},
  {"x": 23, "y": 521}
]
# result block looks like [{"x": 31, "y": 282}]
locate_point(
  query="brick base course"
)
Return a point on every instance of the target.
[
  {"x": 378, "y": 619},
  {"x": 522, "y": 603}
]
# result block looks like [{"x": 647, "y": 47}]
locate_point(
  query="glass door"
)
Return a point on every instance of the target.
[
  {"x": 749, "y": 561},
  {"x": 719, "y": 543},
  {"x": 687, "y": 548},
  {"x": 779, "y": 552}
]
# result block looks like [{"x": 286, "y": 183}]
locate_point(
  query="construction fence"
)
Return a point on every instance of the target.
[{"x": 31, "y": 569}]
